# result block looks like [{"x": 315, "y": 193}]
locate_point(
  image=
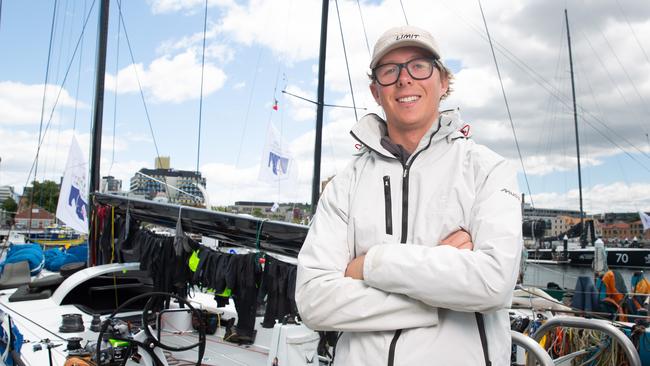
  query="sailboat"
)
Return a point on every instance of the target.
[{"x": 581, "y": 254}]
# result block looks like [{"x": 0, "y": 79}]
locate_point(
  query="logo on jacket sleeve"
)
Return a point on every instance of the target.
[{"x": 511, "y": 193}]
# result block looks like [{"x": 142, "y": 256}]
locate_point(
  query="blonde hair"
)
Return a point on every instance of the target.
[{"x": 445, "y": 73}]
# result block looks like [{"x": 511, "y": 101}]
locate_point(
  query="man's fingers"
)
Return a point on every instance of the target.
[
  {"x": 456, "y": 238},
  {"x": 459, "y": 239}
]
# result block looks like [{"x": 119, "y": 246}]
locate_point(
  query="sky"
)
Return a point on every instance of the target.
[{"x": 255, "y": 50}]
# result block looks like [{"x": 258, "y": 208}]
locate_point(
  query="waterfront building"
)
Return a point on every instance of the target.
[
  {"x": 40, "y": 218},
  {"x": 178, "y": 186},
  {"x": 7, "y": 192},
  {"x": 110, "y": 184}
]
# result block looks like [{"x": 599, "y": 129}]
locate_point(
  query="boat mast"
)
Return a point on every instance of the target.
[
  {"x": 98, "y": 104},
  {"x": 583, "y": 236},
  {"x": 98, "y": 112},
  {"x": 315, "y": 186}
]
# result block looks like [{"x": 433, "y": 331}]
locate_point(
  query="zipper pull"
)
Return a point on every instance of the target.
[{"x": 406, "y": 172}]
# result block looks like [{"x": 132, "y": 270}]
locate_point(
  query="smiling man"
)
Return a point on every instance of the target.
[{"x": 414, "y": 250}]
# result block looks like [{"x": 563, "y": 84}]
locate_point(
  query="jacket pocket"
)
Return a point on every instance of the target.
[{"x": 388, "y": 206}]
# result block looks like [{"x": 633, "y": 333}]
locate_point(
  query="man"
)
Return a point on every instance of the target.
[{"x": 375, "y": 265}]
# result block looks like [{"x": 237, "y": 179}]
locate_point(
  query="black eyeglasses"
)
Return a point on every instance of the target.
[{"x": 418, "y": 69}]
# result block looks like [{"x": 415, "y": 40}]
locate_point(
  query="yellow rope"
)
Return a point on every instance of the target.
[
  {"x": 112, "y": 234},
  {"x": 117, "y": 301}
]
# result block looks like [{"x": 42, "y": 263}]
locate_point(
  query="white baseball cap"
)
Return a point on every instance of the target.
[{"x": 402, "y": 37}]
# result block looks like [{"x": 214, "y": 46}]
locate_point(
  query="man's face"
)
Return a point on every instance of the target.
[{"x": 409, "y": 104}]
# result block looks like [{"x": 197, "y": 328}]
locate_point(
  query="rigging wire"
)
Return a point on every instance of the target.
[
  {"x": 76, "y": 99},
  {"x": 275, "y": 109},
  {"x": 550, "y": 112},
  {"x": 363, "y": 24},
  {"x": 404, "y": 12},
  {"x": 347, "y": 65},
  {"x": 552, "y": 109},
  {"x": 604, "y": 67},
  {"x": 505, "y": 99},
  {"x": 135, "y": 70},
  {"x": 58, "y": 68},
  {"x": 65, "y": 77},
  {"x": 636, "y": 90},
  {"x": 205, "y": 25},
  {"x": 40, "y": 128},
  {"x": 324, "y": 104},
  {"x": 144, "y": 102},
  {"x": 248, "y": 107},
  {"x": 552, "y": 90},
  {"x": 117, "y": 69}
]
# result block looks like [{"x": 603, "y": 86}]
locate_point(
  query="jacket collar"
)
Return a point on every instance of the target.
[{"x": 371, "y": 128}]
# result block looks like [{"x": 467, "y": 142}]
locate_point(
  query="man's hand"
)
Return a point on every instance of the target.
[
  {"x": 355, "y": 268},
  {"x": 459, "y": 239}
]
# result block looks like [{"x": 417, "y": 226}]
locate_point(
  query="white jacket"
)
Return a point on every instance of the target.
[{"x": 396, "y": 215}]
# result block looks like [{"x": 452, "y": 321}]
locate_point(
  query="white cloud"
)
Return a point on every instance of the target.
[
  {"x": 227, "y": 184},
  {"x": 290, "y": 31},
  {"x": 169, "y": 79},
  {"x": 122, "y": 169},
  {"x": 167, "y": 6},
  {"x": 618, "y": 196},
  {"x": 18, "y": 152},
  {"x": 240, "y": 85},
  {"x": 22, "y": 103},
  {"x": 476, "y": 87}
]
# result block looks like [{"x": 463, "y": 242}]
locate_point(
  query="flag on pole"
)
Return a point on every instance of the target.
[
  {"x": 275, "y": 207},
  {"x": 277, "y": 162},
  {"x": 275, "y": 104},
  {"x": 645, "y": 220},
  {"x": 72, "y": 208}
]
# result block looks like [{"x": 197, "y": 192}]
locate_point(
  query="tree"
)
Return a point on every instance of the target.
[
  {"x": 46, "y": 194},
  {"x": 257, "y": 212},
  {"x": 10, "y": 207}
]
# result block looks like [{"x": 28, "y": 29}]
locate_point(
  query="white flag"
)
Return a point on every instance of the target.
[
  {"x": 72, "y": 208},
  {"x": 277, "y": 162},
  {"x": 275, "y": 207},
  {"x": 645, "y": 220}
]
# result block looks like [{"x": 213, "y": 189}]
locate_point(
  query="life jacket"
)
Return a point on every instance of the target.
[
  {"x": 616, "y": 300},
  {"x": 640, "y": 287}
]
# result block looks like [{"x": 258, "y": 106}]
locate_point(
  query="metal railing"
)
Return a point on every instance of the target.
[
  {"x": 593, "y": 324},
  {"x": 532, "y": 347}
]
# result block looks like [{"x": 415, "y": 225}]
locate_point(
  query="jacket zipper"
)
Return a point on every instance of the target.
[
  {"x": 405, "y": 217},
  {"x": 388, "y": 206},
  {"x": 405, "y": 205},
  {"x": 405, "y": 220}
]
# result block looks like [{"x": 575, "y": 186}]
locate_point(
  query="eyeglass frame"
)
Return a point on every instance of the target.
[{"x": 434, "y": 63}]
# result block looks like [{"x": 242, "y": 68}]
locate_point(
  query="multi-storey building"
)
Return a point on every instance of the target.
[
  {"x": 110, "y": 184},
  {"x": 7, "y": 192},
  {"x": 175, "y": 186},
  {"x": 621, "y": 231},
  {"x": 557, "y": 221}
]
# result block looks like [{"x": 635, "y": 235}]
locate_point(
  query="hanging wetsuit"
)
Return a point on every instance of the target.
[{"x": 242, "y": 277}]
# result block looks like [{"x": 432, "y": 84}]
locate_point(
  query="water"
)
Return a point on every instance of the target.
[{"x": 566, "y": 276}]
